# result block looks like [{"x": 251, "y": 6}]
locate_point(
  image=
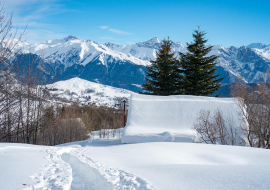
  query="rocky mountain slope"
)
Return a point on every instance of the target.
[
  {"x": 234, "y": 63},
  {"x": 124, "y": 66}
]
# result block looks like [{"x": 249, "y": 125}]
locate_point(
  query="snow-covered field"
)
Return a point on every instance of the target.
[{"x": 108, "y": 164}]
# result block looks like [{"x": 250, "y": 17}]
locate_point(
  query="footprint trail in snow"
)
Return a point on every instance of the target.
[{"x": 69, "y": 168}]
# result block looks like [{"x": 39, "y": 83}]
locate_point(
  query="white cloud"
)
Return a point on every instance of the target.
[
  {"x": 115, "y": 31},
  {"x": 120, "y": 32},
  {"x": 104, "y": 27},
  {"x": 30, "y": 14}
]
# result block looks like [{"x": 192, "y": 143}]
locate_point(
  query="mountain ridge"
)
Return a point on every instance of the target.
[{"x": 124, "y": 66}]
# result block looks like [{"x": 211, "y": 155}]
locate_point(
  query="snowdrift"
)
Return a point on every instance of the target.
[{"x": 171, "y": 118}]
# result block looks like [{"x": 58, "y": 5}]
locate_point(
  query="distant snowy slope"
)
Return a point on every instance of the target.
[
  {"x": 264, "y": 52},
  {"x": 86, "y": 92}
]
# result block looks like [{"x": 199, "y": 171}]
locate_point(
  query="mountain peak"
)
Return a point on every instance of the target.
[
  {"x": 154, "y": 40},
  {"x": 70, "y": 37},
  {"x": 109, "y": 44},
  {"x": 152, "y": 43},
  {"x": 257, "y": 45}
]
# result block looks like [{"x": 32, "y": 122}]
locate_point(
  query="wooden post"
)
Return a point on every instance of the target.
[{"x": 124, "y": 112}]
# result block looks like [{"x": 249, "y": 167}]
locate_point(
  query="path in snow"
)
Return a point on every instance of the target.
[
  {"x": 69, "y": 168},
  {"x": 84, "y": 176}
]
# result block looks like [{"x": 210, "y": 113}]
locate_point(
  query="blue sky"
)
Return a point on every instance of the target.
[{"x": 227, "y": 22}]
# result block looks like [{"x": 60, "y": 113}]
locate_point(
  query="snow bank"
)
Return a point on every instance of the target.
[
  {"x": 18, "y": 164},
  {"x": 189, "y": 166},
  {"x": 171, "y": 118}
]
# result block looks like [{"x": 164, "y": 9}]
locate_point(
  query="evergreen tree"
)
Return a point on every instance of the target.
[
  {"x": 162, "y": 76},
  {"x": 198, "y": 69}
]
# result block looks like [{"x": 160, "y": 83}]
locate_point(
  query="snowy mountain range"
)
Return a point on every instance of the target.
[{"x": 124, "y": 66}]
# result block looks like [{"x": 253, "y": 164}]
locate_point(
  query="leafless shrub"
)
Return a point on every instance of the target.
[
  {"x": 217, "y": 129},
  {"x": 120, "y": 101},
  {"x": 101, "y": 94},
  {"x": 89, "y": 91}
]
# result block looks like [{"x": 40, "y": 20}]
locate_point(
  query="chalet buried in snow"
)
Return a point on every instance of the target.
[{"x": 171, "y": 118}]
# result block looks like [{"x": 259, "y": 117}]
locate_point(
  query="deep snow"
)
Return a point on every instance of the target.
[
  {"x": 171, "y": 165},
  {"x": 108, "y": 164},
  {"x": 18, "y": 163},
  {"x": 171, "y": 118}
]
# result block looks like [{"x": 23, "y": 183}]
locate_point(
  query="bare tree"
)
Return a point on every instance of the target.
[
  {"x": 9, "y": 40},
  {"x": 216, "y": 128},
  {"x": 9, "y": 46},
  {"x": 255, "y": 105}
]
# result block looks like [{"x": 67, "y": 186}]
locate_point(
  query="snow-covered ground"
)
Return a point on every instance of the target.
[
  {"x": 18, "y": 164},
  {"x": 88, "y": 93},
  {"x": 108, "y": 164}
]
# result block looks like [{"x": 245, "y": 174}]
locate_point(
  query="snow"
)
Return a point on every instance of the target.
[
  {"x": 72, "y": 50},
  {"x": 261, "y": 49},
  {"x": 80, "y": 89},
  {"x": 63, "y": 167},
  {"x": 71, "y": 47},
  {"x": 18, "y": 162},
  {"x": 264, "y": 52},
  {"x": 145, "y": 50},
  {"x": 257, "y": 45},
  {"x": 108, "y": 164},
  {"x": 171, "y": 118},
  {"x": 171, "y": 165}
]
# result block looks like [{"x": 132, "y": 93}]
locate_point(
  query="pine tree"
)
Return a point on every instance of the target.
[
  {"x": 198, "y": 70},
  {"x": 162, "y": 76}
]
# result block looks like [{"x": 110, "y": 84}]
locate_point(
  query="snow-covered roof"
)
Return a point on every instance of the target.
[{"x": 171, "y": 118}]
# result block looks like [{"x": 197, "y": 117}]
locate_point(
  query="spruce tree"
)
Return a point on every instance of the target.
[
  {"x": 162, "y": 76},
  {"x": 198, "y": 69}
]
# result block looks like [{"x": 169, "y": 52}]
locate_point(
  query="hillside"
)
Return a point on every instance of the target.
[{"x": 88, "y": 93}]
